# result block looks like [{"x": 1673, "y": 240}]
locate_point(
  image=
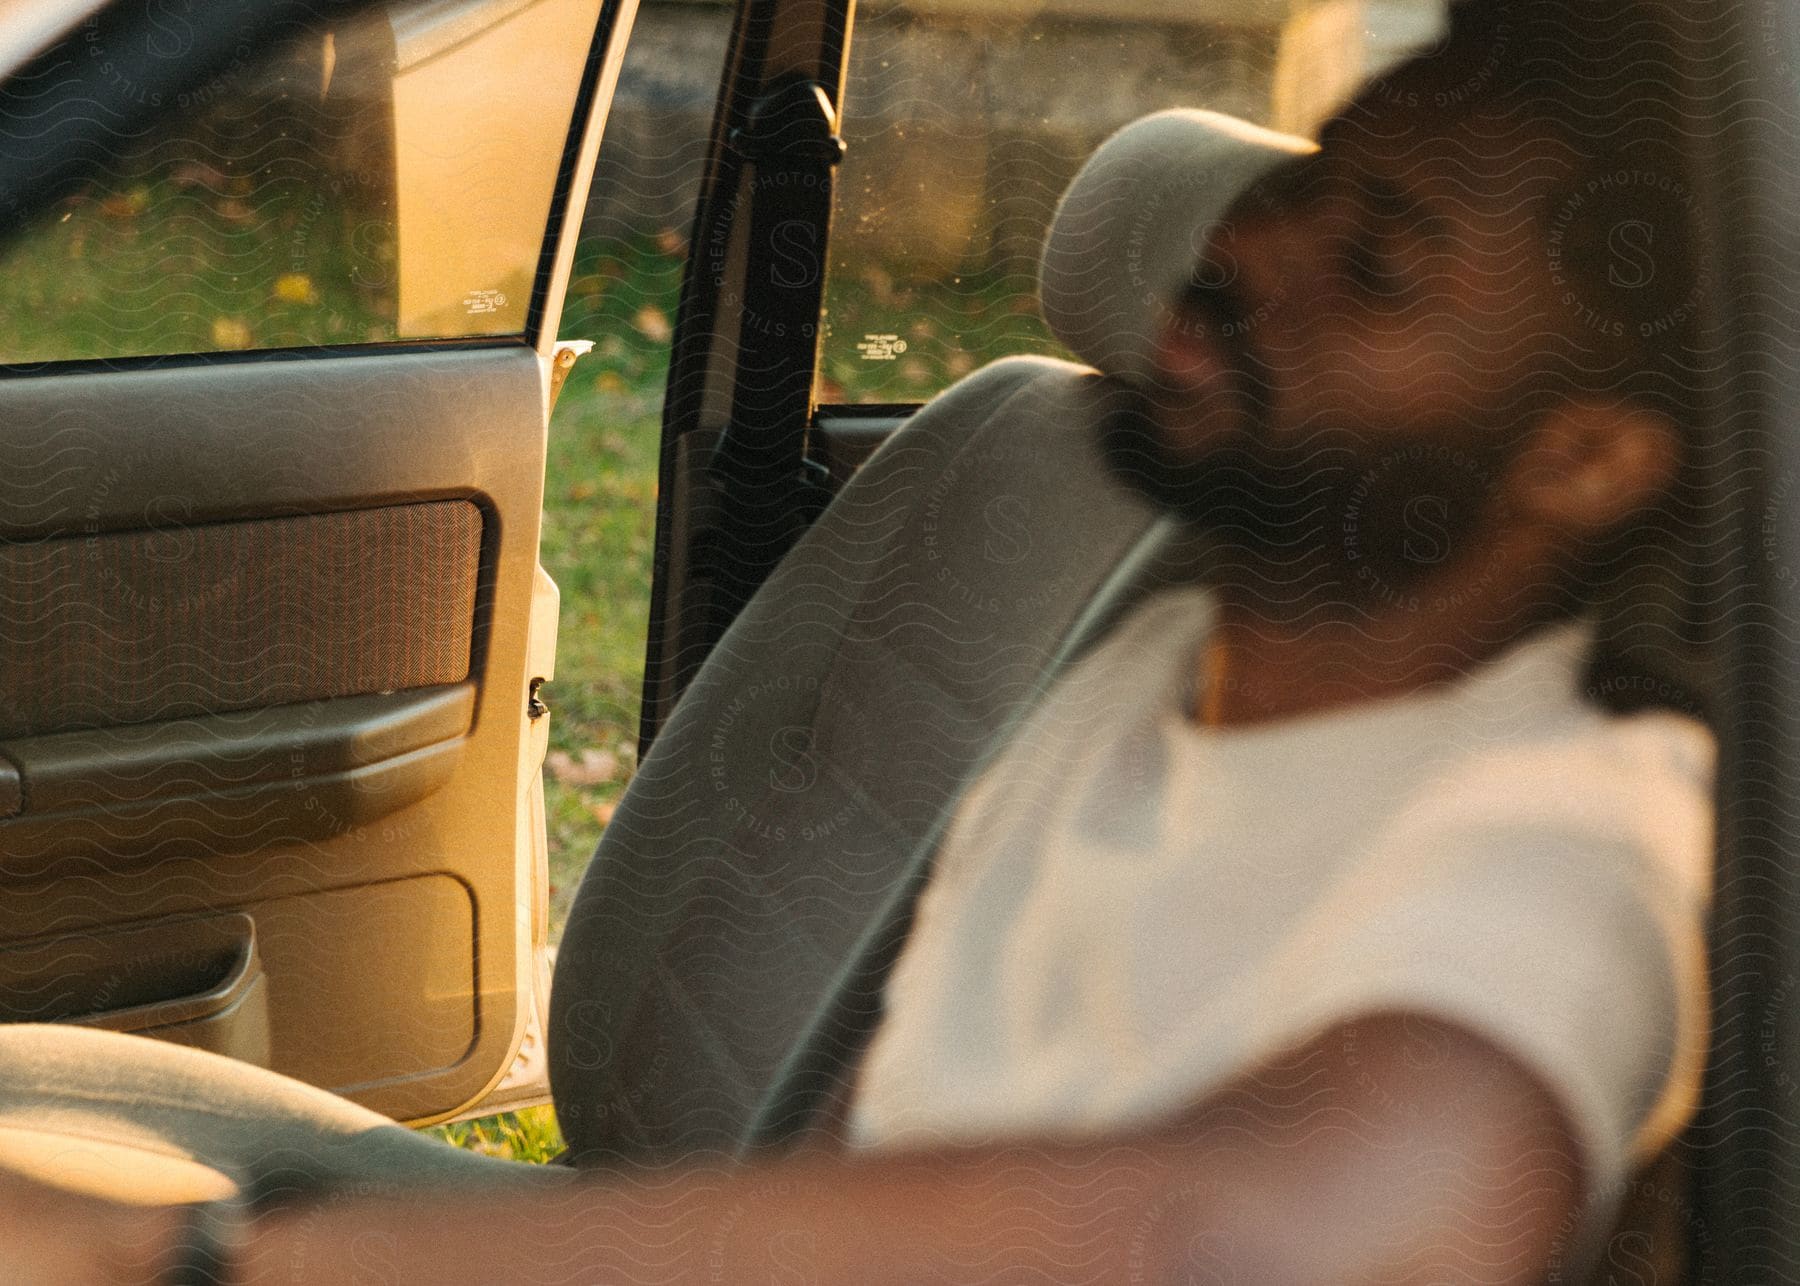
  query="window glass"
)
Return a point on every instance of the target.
[
  {"x": 966, "y": 119},
  {"x": 385, "y": 177}
]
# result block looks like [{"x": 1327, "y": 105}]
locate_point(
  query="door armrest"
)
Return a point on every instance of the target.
[{"x": 300, "y": 771}]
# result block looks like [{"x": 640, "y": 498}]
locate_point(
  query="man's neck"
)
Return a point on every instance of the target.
[{"x": 1265, "y": 661}]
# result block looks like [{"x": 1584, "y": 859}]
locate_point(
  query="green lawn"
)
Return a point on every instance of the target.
[
  {"x": 530, "y": 1135},
  {"x": 599, "y": 529},
  {"x": 178, "y": 260}
]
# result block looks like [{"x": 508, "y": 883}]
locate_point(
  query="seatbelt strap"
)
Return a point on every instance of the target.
[{"x": 767, "y": 492}]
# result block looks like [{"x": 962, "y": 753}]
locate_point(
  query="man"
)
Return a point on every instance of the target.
[
  {"x": 1315, "y": 929},
  {"x": 1428, "y": 437}
]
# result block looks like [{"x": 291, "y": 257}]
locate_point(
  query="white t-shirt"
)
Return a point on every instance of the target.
[{"x": 1130, "y": 909}]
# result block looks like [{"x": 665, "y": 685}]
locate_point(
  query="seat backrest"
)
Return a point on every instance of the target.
[
  {"x": 725, "y": 954},
  {"x": 780, "y": 824}
]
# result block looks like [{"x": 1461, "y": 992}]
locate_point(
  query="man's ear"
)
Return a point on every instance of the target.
[{"x": 1589, "y": 465}]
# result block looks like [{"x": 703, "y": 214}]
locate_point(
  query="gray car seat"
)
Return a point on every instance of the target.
[{"x": 725, "y": 954}]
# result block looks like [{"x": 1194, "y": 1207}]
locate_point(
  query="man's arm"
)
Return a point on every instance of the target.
[{"x": 1392, "y": 1149}]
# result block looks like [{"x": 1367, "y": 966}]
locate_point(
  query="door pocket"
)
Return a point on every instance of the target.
[{"x": 196, "y": 982}]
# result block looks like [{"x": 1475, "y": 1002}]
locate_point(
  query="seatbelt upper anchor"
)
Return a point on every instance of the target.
[{"x": 794, "y": 123}]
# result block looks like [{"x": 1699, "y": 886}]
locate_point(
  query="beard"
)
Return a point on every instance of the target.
[{"x": 1372, "y": 510}]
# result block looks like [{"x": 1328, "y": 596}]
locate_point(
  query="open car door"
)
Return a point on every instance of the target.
[{"x": 278, "y": 332}]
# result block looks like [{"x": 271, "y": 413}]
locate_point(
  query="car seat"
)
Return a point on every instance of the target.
[{"x": 725, "y": 953}]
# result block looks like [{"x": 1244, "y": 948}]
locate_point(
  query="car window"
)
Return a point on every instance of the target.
[
  {"x": 966, "y": 119},
  {"x": 381, "y": 178}
]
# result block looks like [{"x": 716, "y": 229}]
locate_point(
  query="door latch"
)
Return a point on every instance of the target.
[{"x": 562, "y": 360}]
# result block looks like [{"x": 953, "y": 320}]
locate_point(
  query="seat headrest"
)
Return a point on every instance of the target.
[{"x": 1129, "y": 229}]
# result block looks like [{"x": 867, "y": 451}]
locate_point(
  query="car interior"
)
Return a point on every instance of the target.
[{"x": 279, "y": 652}]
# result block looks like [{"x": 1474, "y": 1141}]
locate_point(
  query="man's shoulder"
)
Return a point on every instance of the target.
[
  {"x": 1593, "y": 759},
  {"x": 1639, "y": 787}
]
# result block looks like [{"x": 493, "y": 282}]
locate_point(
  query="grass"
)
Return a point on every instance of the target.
[
  {"x": 185, "y": 258},
  {"x": 529, "y": 1135},
  {"x": 599, "y": 532}
]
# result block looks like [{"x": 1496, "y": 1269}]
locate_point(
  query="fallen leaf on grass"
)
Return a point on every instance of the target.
[
  {"x": 880, "y": 285},
  {"x": 653, "y": 324},
  {"x": 230, "y": 332},
  {"x": 295, "y": 288},
  {"x": 126, "y": 205},
  {"x": 590, "y": 769},
  {"x": 198, "y": 174}
]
